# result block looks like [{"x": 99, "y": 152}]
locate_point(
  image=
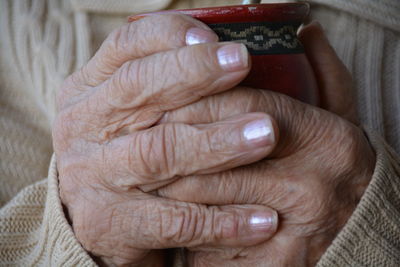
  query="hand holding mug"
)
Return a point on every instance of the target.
[
  {"x": 110, "y": 150},
  {"x": 314, "y": 178}
]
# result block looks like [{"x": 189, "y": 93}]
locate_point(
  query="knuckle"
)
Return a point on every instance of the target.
[
  {"x": 124, "y": 84},
  {"x": 190, "y": 68},
  {"x": 209, "y": 52},
  {"x": 177, "y": 75},
  {"x": 183, "y": 225},
  {"x": 208, "y": 142},
  {"x": 225, "y": 225},
  {"x": 121, "y": 45},
  {"x": 191, "y": 225},
  {"x": 180, "y": 68},
  {"x": 245, "y": 190},
  {"x": 283, "y": 104},
  {"x": 137, "y": 158},
  {"x": 249, "y": 100},
  {"x": 141, "y": 77},
  {"x": 203, "y": 57},
  {"x": 155, "y": 155},
  {"x": 120, "y": 39}
]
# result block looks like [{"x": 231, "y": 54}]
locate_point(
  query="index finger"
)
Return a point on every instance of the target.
[{"x": 152, "y": 34}]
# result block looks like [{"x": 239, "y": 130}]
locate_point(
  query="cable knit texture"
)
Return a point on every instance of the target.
[
  {"x": 34, "y": 230},
  {"x": 43, "y": 41}
]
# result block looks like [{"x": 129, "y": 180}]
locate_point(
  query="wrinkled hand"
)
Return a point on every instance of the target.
[
  {"x": 110, "y": 151},
  {"x": 313, "y": 179}
]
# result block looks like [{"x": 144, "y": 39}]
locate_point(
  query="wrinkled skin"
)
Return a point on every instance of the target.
[
  {"x": 314, "y": 178},
  {"x": 142, "y": 113},
  {"x": 110, "y": 150}
]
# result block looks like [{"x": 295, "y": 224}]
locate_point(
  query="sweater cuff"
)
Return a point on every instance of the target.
[
  {"x": 371, "y": 237},
  {"x": 61, "y": 233},
  {"x": 34, "y": 230}
]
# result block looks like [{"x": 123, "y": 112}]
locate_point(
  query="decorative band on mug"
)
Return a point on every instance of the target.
[{"x": 261, "y": 38}]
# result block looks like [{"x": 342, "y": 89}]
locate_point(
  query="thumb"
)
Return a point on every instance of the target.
[{"x": 334, "y": 80}]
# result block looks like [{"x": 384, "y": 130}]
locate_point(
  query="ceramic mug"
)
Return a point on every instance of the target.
[{"x": 270, "y": 33}]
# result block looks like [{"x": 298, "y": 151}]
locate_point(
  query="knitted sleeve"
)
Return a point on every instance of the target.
[
  {"x": 34, "y": 230},
  {"x": 371, "y": 237}
]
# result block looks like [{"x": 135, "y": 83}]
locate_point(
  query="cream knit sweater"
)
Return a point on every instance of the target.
[{"x": 42, "y": 41}]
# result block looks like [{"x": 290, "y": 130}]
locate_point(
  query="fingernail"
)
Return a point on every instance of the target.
[
  {"x": 260, "y": 132},
  {"x": 264, "y": 221},
  {"x": 200, "y": 36},
  {"x": 233, "y": 57}
]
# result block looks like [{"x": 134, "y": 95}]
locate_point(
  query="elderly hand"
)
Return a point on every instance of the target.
[
  {"x": 110, "y": 150},
  {"x": 313, "y": 179}
]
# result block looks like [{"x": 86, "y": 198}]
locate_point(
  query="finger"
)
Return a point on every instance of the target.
[
  {"x": 268, "y": 185},
  {"x": 151, "y": 35},
  {"x": 334, "y": 80},
  {"x": 156, "y": 223},
  {"x": 165, "y": 81},
  {"x": 208, "y": 226},
  {"x": 139, "y": 39},
  {"x": 220, "y": 106},
  {"x": 230, "y": 187},
  {"x": 175, "y": 78},
  {"x": 285, "y": 111},
  {"x": 171, "y": 150},
  {"x": 123, "y": 230}
]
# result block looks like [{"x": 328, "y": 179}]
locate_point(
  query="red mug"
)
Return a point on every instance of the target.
[{"x": 270, "y": 33}]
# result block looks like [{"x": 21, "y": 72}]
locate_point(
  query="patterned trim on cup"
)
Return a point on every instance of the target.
[{"x": 261, "y": 38}]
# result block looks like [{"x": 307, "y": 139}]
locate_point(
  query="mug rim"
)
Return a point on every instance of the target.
[{"x": 272, "y": 12}]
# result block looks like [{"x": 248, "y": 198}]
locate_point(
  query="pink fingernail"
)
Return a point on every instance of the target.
[
  {"x": 260, "y": 132},
  {"x": 264, "y": 221},
  {"x": 200, "y": 36},
  {"x": 233, "y": 57}
]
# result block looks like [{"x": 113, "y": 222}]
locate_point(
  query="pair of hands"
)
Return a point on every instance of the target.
[{"x": 150, "y": 132}]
